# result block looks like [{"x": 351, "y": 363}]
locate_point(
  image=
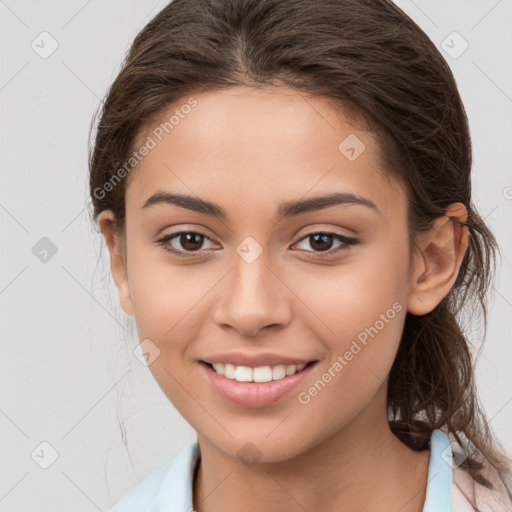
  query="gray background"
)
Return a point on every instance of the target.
[{"x": 68, "y": 375}]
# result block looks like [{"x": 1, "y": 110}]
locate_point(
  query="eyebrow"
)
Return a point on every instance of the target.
[{"x": 286, "y": 210}]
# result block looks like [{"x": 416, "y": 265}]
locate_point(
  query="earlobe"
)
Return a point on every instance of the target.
[
  {"x": 437, "y": 266},
  {"x": 117, "y": 259}
]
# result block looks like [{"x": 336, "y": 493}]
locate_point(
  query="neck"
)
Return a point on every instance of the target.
[{"x": 361, "y": 467}]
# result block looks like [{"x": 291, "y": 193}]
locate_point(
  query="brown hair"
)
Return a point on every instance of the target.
[{"x": 372, "y": 59}]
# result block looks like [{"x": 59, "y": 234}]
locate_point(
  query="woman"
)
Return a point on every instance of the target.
[{"x": 284, "y": 189}]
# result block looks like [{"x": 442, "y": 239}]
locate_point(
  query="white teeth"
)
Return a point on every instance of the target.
[
  {"x": 258, "y": 374},
  {"x": 243, "y": 374},
  {"x": 219, "y": 368},
  {"x": 291, "y": 369},
  {"x": 278, "y": 372},
  {"x": 262, "y": 374},
  {"x": 229, "y": 371}
]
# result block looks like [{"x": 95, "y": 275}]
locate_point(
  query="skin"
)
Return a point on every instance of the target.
[{"x": 248, "y": 151}]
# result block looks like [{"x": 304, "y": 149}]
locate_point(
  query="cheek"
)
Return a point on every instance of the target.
[
  {"x": 170, "y": 305},
  {"x": 165, "y": 296},
  {"x": 365, "y": 326},
  {"x": 361, "y": 306},
  {"x": 352, "y": 296}
]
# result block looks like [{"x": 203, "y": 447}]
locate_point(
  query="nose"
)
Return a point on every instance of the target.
[{"x": 252, "y": 298}]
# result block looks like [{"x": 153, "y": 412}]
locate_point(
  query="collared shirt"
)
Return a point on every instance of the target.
[{"x": 449, "y": 488}]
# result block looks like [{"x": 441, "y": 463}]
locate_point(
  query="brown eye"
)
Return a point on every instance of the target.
[
  {"x": 191, "y": 241},
  {"x": 322, "y": 242},
  {"x": 184, "y": 242}
]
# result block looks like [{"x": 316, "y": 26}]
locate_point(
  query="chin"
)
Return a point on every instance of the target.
[{"x": 262, "y": 448}]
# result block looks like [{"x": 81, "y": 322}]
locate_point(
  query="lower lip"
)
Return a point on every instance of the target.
[{"x": 254, "y": 394}]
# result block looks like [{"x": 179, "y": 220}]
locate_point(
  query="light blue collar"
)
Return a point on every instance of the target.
[
  {"x": 176, "y": 492},
  {"x": 440, "y": 474}
]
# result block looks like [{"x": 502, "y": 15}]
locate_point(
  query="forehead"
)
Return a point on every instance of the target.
[{"x": 250, "y": 148}]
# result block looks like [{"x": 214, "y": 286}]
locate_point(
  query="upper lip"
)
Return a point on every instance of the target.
[{"x": 254, "y": 360}]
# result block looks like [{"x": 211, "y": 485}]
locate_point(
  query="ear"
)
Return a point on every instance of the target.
[
  {"x": 117, "y": 259},
  {"x": 436, "y": 268}
]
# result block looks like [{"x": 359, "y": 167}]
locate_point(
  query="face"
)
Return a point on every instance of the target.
[{"x": 249, "y": 271}]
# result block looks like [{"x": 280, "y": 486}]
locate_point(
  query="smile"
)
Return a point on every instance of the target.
[
  {"x": 258, "y": 386},
  {"x": 258, "y": 374}
]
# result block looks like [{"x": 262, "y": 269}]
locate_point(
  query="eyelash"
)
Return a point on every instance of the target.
[{"x": 346, "y": 241}]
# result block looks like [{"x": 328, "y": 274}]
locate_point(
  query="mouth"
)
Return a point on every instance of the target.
[
  {"x": 258, "y": 386},
  {"x": 258, "y": 373}
]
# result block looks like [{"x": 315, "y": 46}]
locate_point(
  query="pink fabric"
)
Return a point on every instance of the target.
[{"x": 468, "y": 495}]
